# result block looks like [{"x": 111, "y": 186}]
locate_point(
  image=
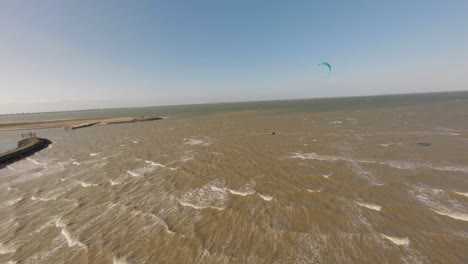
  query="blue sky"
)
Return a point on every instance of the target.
[{"x": 64, "y": 55}]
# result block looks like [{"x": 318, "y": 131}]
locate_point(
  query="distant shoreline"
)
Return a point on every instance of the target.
[{"x": 73, "y": 123}]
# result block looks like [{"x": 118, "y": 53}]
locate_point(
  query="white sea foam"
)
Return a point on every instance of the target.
[
  {"x": 10, "y": 202},
  {"x": 119, "y": 260},
  {"x": 385, "y": 145},
  {"x": 43, "y": 199},
  {"x": 199, "y": 207},
  {"x": 217, "y": 189},
  {"x": 438, "y": 201},
  {"x": 240, "y": 193},
  {"x": 174, "y": 168},
  {"x": 449, "y": 168},
  {"x": 76, "y": 163},
  {"x": 133, "y": 174},
  {"x": 369, "y": 206},
  {"x": 155, "y": 163},
  {"x": 326, "y": 175},
  {"x": 248, "y": 191},
  {"x": 12, "y": 189},
  {"x": 136, "y": 142},
  {"x": 35, "y": 161},
  {"x": 194, "y": 142},
  {"x": 85, "y": 184},
  {"x": 462, "y": 193},
  {"x": 4, "y": 249},
  {"x": 403, "y": 165},
  {"x": 93, "y": 154},
  {"x": 68, "y": 237},
  {"x": 114, "y": 182},
  {"x": 314, "y": 156},
  {"x": 454, "y": 215},
  {"x": 266, "y": 197},
  {"x": 313, "y": 191},
  {"x": 70, "y": 240},
  {"x": 209, "y": 196},
  {"x": 399, "y": 165},
  {"x": 11, "y": 168},
  {"x": 335, "y": 122},
  {"x": 397, "y": 241}
]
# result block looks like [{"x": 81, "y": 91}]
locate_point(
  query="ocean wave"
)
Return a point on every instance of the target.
[
  {"x": 35, "y": 162},
  {"x": 4, "y": 249},
  {"x": 241, "y": 193},
  {"x": 117, "y": 260},
  {"x": 12, "y": 189},
  {"x": 385, "y": 145},
  {"x": 187, "y": 155},
  {"x": 313, "y": 191},
  {"x": 369, "y": 206},
  {"x": 438, "y": 201},
  {"x": 196, "y": 142},
  {"x": 133, "y": 174},
  {"x": 93, "y": 154},
  {"x": 199, "y": 207},
  {"x": 398, "y": 241},
  {"x": 449, "y": 168},
  {"x": 266, "y": 197},
  {"x": 155, "y": 219},
  {"x": 114, "y": 182},
  {"x": 209, "y": 196},
  {"x": 235, "y": 192},
  {"x": 11, "y": 168},
  {"x": 66, "y": 234},
  {"x": 43, "y": 199},
  {"x": 462, "y": 193},
  {"x": 403, "y": 165},
  {"x": 155, "y": 163},
  {"x": 10, "y": 202},
  {"x": 85, "y": 184},
  {"x": 454, "y": 215}
]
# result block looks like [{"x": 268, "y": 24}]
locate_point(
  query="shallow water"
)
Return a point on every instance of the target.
[{"x": 331, "y": 186}]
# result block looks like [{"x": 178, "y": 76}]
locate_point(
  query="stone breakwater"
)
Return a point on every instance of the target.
[{"x": 26, "y": 148}]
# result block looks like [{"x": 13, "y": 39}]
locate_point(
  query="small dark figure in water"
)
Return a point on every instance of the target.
[
  {"x": 273, "y": 133},
  {"x": 423, "y": 144}
]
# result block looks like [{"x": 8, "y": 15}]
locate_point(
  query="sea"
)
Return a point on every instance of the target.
[{"x": 380, "y": 179}]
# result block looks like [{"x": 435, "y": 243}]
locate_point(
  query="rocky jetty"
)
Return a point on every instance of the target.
[{"x": 26, "y": 148}]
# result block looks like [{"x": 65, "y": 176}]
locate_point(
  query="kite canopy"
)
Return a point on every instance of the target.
[{"x": 327, "y": 65}]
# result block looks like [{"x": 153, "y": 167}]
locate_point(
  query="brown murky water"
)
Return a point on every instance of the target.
[{"x": 345, "y": 186}]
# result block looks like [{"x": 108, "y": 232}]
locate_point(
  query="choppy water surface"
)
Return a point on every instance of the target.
[{"x": 330, "y": 187}]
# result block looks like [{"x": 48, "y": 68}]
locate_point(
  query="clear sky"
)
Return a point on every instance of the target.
[{"x": 64, "y": 54}]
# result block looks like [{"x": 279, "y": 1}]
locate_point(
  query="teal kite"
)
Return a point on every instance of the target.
[{"x": 327, "y": 65}]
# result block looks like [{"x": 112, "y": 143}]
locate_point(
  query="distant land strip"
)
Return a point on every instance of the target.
[{"x": 74, "y": 123}]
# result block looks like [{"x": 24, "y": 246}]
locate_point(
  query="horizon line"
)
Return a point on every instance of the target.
[{"x": 227, "y": 102}]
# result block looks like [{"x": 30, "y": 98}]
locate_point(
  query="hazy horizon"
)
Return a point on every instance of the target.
[
  {"x": 62, "y": 56},
  {"x": 100, "y": 105}
]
